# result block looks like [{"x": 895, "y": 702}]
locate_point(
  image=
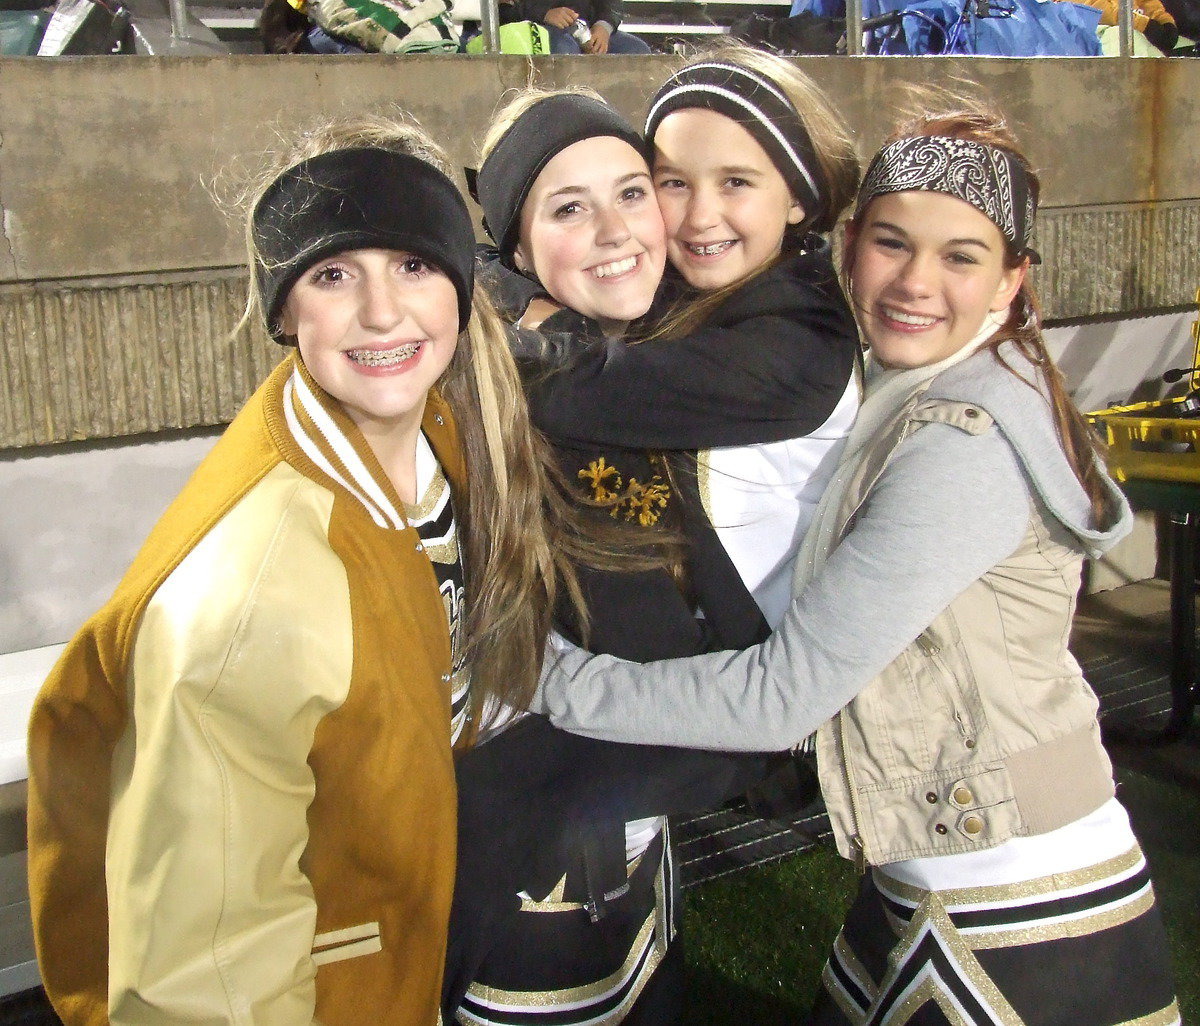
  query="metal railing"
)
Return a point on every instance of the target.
[{"x": 490, "y": 25}]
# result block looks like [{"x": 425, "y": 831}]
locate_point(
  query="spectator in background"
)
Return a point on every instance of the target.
[
  {"x": 1149, "y": 17},
  {"x": 598, "y": 32},
  {"x": 1187, "y": 17},
  {"x": 358, "y": 26}
]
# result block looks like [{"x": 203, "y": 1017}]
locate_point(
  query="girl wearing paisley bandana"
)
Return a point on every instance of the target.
[
  {"x": 958, "y": 746},
  {"x": 241, "y": 793}
]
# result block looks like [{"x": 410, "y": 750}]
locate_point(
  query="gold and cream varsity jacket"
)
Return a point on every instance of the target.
[{"x": 241, "y": 793}]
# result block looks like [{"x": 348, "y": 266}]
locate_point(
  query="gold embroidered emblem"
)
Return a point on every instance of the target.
[{"x": 635, "y": 501}]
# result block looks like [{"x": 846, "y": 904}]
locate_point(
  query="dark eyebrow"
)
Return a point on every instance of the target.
[
  {"x": 729, "y": 169},
  {"x": 967, "y": 241},
  {"x": 569, "y": 190}
]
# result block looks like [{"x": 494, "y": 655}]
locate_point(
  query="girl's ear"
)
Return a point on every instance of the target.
[
  {"x": 519, "y": 260},
  {"x": 848, "y": 240},
  {"x": 796, "y": 212},
  {"x": 1010, "y": 284},
  {"x": 287, "y": 319}
]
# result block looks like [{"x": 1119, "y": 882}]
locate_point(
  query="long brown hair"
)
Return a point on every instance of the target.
[
  {"x": 965, "y": 115},
  {"x": 582, "y": 523},
  {"x": 515, "y": 520}
]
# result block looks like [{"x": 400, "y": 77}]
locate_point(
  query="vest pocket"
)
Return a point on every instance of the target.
[{"x": 944, "y": 677}]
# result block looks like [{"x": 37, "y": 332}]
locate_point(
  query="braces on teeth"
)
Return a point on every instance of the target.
[{"x": 383, "y": 358}]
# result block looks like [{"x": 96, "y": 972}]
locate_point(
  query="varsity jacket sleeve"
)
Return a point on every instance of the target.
[
  {"x": 211, "y": 917},
  {"x": 770, "y": 364},
  {"x": 948, "y": 508}
]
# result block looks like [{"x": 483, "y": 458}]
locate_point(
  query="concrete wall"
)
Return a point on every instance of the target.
[{"x": 119, "y": 279}]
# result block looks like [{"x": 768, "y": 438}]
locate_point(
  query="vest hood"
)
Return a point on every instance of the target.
[{"x": 1023, "y": 414}]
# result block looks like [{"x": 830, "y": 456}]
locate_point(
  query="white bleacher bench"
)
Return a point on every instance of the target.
[{"x": 663, "y": 23}]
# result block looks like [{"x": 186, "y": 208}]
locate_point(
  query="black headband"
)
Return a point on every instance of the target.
[
  {"x": 542, "y": 131},
  {"x": 992, "y": 180},
  {"x": 762, "y": 108},
  {"x": 360, "y": 199}
]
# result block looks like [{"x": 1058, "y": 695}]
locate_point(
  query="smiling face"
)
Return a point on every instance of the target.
[
  {"x": 375, "y": 328},
  {"x": 725, "y": 204},
  {"x": 592, "y": 233},
  {"x": 927, "y": 268}
]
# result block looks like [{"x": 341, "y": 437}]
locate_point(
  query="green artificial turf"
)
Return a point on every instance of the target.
[{"x": 756, "y": 941}]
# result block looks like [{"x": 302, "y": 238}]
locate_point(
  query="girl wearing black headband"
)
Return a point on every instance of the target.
[
  {"x": 567, "y": 195},
  {"x": 959, "y": 750},
  {"x": 242, "y": 796},
  {"x": 775, "y": 362}
]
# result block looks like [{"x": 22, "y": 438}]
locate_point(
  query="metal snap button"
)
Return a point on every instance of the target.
[
  {"x": 931, "y": 798},
  {"x": 940, "y": 828},
  {"x": 973, "y": 825},
  {"x": 970, "y": 411},
  {"x": 420, "y": 547},
  {"x": 962, "y": 795}
]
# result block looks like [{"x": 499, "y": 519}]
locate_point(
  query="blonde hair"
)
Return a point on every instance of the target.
[
  {"x": 832, "y": 144},
  {"x": 963, "y": 113},
  {"x": 514, "y": 557}
]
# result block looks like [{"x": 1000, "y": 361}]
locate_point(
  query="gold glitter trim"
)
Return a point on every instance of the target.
[
  {"x": 588, "y": 992},
  {"x": 429, "y": 501},
  {"x": 704, "y": 481},
  {"x": 895, "y": 923},
  {"x": 1169, "y": 1016},
  {"x": 931, "y": 916},
  {"x": 438, "y": 552},
  {"x": 1040, "y": 886},
  {"x": 552, "y": 902},
  {"x": 833, "y": 987},
  {"x": 919, "y": 998},
  {"x": 998, "y": 937},
  {"x": 853, "y": 967}
]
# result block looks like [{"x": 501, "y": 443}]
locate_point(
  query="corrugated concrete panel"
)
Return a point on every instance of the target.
[
  {"x": 1118, "y": 260},
  {"x": 103, "y": 362},
  {"x": 92, "y": 361}
]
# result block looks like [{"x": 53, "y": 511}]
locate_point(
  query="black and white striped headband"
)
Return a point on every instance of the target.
[
  {"x": 987, "y": 177},
  {"x": 762, "y": 108}
]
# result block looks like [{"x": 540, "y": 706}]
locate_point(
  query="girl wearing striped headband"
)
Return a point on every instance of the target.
[
  {"x": 242, "y": 794},
  {"x": 958, "y": 744}
]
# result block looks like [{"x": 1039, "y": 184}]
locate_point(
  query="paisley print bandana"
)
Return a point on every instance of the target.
[{"x": 988, "y": 178}]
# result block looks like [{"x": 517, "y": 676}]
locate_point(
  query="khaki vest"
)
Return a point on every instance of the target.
[{"x": 983, "y": 729}]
